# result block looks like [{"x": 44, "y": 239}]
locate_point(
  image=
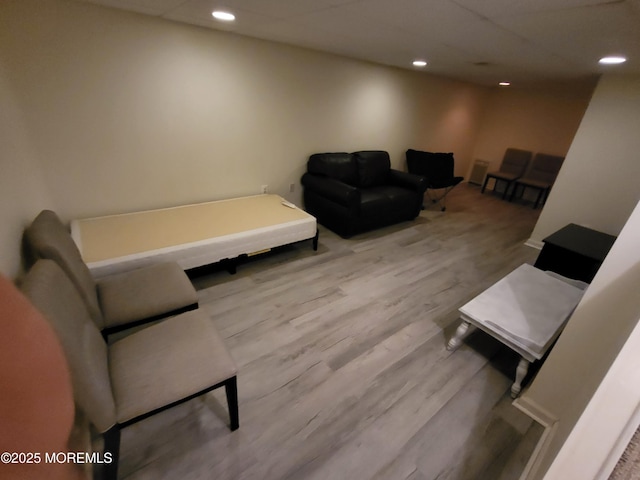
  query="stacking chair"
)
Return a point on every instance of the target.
[
  {"x": 541, "y": 176},
  {"x": 514, "y": 164},
  {"x": 437, "y": 169},
  {"x": 139, "y": 375},
  {"x": 115, "y": 302}
]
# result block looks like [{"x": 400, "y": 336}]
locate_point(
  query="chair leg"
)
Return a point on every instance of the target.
[
  {"x": 506, "y": 190},
  {"x": 514, "y": 191},
  {"x": 112, "y": 446},
  {"x": 540, "y": 192},
  {"x": 484, "y": 185},
  {"x": 231, "y": 389},
  {"x": 546, "y": 195}
]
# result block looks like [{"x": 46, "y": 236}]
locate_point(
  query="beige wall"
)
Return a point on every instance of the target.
[
  {"x": 112, "y": 111},
  {"x": 22, "y": 189},
  {"x": 598, "y": 184},
  {"x": 612, "y": 414},
  {"x": 129, "y": 112},
  {"x": 539, "y": 119}
]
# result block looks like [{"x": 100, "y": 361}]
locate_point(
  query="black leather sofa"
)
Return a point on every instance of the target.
[{"x": 353, "y": 192}]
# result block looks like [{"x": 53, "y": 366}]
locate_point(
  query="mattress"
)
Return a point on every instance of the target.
[{"x": 192, "y": 235}]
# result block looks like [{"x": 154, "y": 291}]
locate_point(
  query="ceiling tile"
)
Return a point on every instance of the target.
[{"x": 479, "y": 41}]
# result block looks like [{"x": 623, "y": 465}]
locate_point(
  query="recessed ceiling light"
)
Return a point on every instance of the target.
[
  {"x": 612, "y": 60},
  {"x": 504, "y": 84},
  {"x": 224, "y": 16},
  {"x": 419, "y": 63}
]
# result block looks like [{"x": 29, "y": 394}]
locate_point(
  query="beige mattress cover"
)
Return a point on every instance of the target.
[{"x": 113, "y": 236}]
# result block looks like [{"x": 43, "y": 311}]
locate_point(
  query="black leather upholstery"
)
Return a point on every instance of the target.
[
  {"x": 354, "y": 192},
  {"x": 438, "y": 170},
  {"x": 436, "y": 167}
]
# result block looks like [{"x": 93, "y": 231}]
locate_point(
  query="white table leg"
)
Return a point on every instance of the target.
[
  {"x": 521, "y": 372},
  {"x": 461, "y": 332}
]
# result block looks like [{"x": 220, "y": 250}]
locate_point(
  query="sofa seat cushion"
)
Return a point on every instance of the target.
[
  {"x": 167, "y": 362},
  {"x": 400, "y": 198},
  {"x": 382, "y": 201},
  {"x": 144, "y": 293},
  {"x": 374, "y": 202}
]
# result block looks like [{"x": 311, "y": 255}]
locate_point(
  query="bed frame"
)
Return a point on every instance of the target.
[{"x": 192, "y": 235}]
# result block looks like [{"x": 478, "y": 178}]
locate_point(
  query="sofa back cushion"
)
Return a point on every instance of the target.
[
  {"x": 373, "y": 168},
  {"x": 340, "y": 166}
]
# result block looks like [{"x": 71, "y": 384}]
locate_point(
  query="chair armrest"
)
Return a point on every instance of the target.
[
  {"x": 408, "y": 180},
  {"x": 332, "y": 189}
]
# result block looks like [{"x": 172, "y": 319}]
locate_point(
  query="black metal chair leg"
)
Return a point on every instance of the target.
[
  {"x": 506, "y": 190},
  {"x": 514, "y": 190},
  {"x": 540, "y": 192},
  {"x": 231, "y": 389},
  {"x": 112, "y": 447},
  {"x": 484, "y": 185}
]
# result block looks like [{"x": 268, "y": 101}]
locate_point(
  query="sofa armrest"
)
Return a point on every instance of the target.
[
  {"x": 332, "y": 189},
  {"x": 408, "y": 180}
]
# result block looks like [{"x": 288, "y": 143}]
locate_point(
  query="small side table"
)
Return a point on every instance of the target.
[
  {"x": 525, "y": 311},
  {"x": 575, "y": 252}
]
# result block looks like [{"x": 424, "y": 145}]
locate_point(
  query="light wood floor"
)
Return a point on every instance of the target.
[{"x": 343, "y": 370}]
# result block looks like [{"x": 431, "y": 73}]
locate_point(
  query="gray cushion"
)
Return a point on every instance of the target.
[
  {"x": 144, "y": 293},
  {"x": 533, "y": 183},
  {"x": 515, "y": 161},
  {"x": 544, "y": 170},
  {"x": 503, "y": 176},
  {"x": 51, "y": 292},
  {"x": 167, "y": 362},
  {"x": 47, "y": 237},
  {"x": 119, "y": 299}
]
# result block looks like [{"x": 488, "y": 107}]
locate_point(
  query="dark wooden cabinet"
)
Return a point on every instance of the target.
[{"x": 575, "y": 252}]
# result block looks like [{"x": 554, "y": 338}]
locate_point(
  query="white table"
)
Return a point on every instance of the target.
[{"x": 525, "y": 311}]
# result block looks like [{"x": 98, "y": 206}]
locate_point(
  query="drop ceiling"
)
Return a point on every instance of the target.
[{"x": 480, "y": 41}]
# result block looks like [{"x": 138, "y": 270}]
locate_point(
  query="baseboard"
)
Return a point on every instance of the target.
[
  {"x": 550, "y": 424},
  {"x": 537, "y": 244},
  {"x": 532, "y": 409}
]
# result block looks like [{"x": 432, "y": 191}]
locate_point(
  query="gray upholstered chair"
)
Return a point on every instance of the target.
[
  {"x": 139, "y": 375},
  {"x": 117, "y": 301},
  {"x": 541, "y": 176},
  {"x": 513, "y": 166}
]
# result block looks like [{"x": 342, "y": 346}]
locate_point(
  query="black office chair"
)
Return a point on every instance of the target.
[{"x": 437, "y": 168}]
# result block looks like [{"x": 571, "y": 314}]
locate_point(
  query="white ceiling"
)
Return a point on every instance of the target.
[{"x": 482, "y": 41}]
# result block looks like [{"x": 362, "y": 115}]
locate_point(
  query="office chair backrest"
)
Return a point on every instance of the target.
[
  {"x": 545, "y": 167},
  {"x": 515, "y": 161},
  {"x": 437, "y": 167}
]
